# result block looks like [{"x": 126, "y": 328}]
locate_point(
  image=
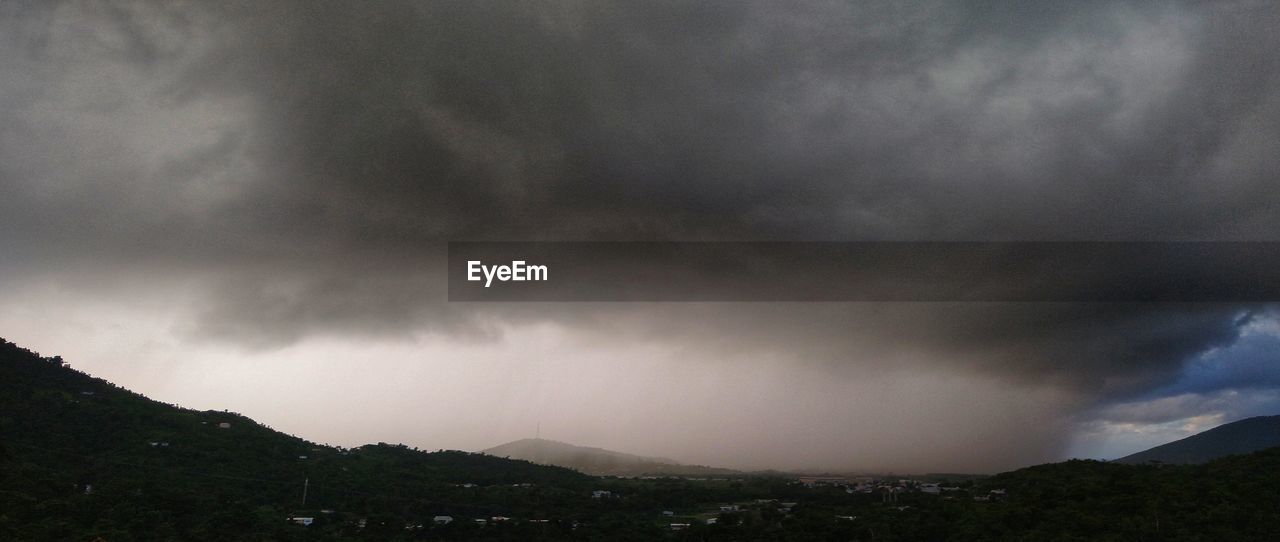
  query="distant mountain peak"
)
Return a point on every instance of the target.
[
  {"x": 597, "y": 461},
  {"x": 1238, "y": 437}
]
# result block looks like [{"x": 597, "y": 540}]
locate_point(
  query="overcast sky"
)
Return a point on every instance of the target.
[{"x": 244, "y": 205}]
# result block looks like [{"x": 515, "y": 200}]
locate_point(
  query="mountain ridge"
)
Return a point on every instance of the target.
[
  {"x": 84, "y": 459},
  {"x": 110, "y": 458},
  {"x": 597, "y": 461},
  {"x": 1234, "y": 438}
]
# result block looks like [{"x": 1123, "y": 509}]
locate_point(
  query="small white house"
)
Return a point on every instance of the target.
[
  {"x": 601, "y": 494},
  {"x": 442, "y": 520},
  {"x": 224, "y": 425},
  {"x": 305, "y": 522}
]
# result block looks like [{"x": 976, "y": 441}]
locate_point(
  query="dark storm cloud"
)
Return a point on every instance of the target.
[
  {"x": 1240, "y": 379},
  {"x": 1096, "y": 349},
  {"x": 305, "y": 162}
]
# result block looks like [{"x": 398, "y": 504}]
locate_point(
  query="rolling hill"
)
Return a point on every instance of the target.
[
  {"x": 598, "y": 461},
  {"x": 82, "y": 458},
  {"x": 1240, "y": 437}
]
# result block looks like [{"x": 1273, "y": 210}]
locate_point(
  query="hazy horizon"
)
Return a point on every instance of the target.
[{"x": 246, "y": 206}]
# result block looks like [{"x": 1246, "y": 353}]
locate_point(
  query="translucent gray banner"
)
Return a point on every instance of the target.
[{"x": 865, "y": 271}]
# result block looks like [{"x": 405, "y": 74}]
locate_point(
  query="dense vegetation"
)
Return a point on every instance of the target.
[{"x": 81, "y": 459}]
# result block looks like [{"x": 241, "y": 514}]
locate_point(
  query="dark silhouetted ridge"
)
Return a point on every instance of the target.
[
  {"x": 1241, "y": 437},
  {"x": 82, "y": 458},
  {"x": 598, "y": 461}
]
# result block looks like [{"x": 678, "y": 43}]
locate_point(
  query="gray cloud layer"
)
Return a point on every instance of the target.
[{"x": 297, "y": 166}]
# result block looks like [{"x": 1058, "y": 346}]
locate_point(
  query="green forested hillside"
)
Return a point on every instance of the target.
[
  {"x": 81, "y": 457},
  {"x": 1234, "y": 498}
]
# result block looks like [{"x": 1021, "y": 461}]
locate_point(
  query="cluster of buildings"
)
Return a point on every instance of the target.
[
  {"x": 440, "y": 520},
  {"x": 783, "y": 508},
  {"x": 889, "y": 489}
]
